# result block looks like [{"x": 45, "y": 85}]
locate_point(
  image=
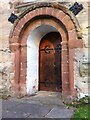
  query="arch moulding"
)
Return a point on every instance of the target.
[{"x": 62, "y": 21}]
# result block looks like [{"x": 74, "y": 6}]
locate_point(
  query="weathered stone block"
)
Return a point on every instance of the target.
[
  {"x": 5, "y": 77},
  {"x": 0, "y": 76},
  {"x": 0, "y": 42},
  {"x": 6, "y": 56},
  {"x": 75, "y": 43},
  {"x": 1, "y": 57},
  {"x": 84, "y": 69},
  {"x": 11, "y": 76},
  {"x": 2, "y": 68}
]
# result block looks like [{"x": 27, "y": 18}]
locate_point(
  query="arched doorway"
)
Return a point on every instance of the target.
[
  {"x": 62, "y": 21},
  {"x": 50, "y": 62}
]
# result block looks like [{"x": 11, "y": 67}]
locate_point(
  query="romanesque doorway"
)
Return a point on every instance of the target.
[
  {"x": 50, "y": 63},
  {"x": 24, "y": 41}
]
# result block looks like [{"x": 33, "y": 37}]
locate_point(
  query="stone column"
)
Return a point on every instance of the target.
[
  {"x": 65, "y": 70},
  {"x": 72, "y": 44},
  {"x": 15, "y": 47}
]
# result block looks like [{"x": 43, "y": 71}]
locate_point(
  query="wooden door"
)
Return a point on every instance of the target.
[{"x": 50, "y": 62}]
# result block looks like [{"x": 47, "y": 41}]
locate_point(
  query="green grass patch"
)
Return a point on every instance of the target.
[
  {"x": 82, "y": 112},
  {"x": 82, "y": 108}
]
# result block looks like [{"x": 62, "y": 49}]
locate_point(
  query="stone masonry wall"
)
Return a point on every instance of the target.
[
  {"x": 81, "y": 58},
  {"x": 81, "y": 61},
  {"x": 7, "y": 58}
]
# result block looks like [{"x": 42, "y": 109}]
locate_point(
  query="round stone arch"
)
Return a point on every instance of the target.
[{"x": 63, "y": 23}]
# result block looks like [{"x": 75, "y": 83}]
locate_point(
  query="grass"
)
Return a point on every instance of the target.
[
  {"x": 82, "y": 112},
  {"x": 82, "y": 109}
]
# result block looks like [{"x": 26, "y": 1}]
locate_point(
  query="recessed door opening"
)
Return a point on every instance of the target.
[{"x": 50, "y": 63}]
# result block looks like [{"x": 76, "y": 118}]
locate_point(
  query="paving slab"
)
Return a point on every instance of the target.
[
  {"x": 35, "y": 116},
  {"x": 46, "y": 98},
  {"x": 25, "y": 109},
  {"x": 7, "y": 104},
  {"x": 14, "y": 114},
  {"x": 41, "y": 106},
  {"x": 59, "y": 113}
]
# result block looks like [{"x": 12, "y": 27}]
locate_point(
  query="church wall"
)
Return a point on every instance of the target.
[{"x": 81, "y": 58}]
